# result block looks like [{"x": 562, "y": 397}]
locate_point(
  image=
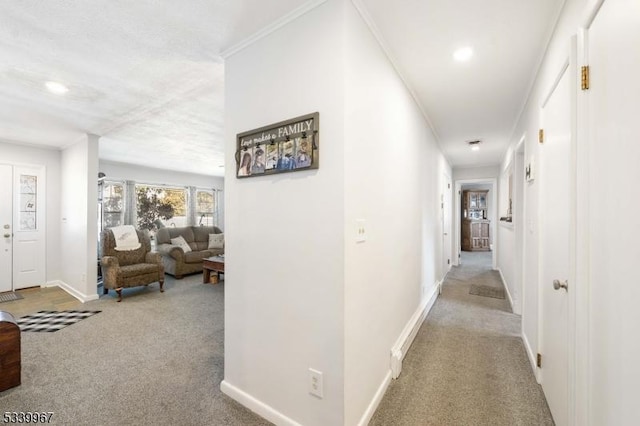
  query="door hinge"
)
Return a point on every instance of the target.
[
  {"x": 541, "y": 135},
  {"x": 448, "y": 186},
  {"x": 448, "y": 261},
  {"x": 539, "y": 361},
  {"x": 585, "y": 77}
]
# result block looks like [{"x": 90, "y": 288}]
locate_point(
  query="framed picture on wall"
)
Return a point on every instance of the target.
[{"x": 287, "y": 146}]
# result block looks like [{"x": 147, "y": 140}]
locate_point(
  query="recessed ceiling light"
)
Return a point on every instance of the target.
[
  {"x": 57, "y": 88},
  {"x": 475, "y": 145},
  {"x": 463, "y": 54}
]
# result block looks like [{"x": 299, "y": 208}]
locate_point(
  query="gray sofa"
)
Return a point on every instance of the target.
[{"x": 176, "y": 261}]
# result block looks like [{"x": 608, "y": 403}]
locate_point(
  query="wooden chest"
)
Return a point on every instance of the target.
[{"x": 10, "y": 356}]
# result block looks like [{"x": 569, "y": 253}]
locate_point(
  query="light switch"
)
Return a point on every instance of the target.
[{"x": 361, "y": 231}]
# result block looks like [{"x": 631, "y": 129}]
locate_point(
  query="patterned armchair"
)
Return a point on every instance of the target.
[{"x": 133, "y": 268}]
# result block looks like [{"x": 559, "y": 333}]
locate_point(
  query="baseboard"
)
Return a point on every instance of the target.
[
  {"x": 377, "y": 398},
  {"x": 72, "y": 291},
  {"x": 401, "y": 347},
  {"x": 255, "y": 405},
  {"x": 506, "y": 288},
  {"x": 531, "y": 356}
]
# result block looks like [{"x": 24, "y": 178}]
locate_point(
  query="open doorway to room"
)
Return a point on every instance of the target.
[{"x": 476, "y": 216}]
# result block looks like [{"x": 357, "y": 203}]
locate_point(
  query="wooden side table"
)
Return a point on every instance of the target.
[
  {"x": 10, "y": 355},
  {"x": 212, "y": 264}
]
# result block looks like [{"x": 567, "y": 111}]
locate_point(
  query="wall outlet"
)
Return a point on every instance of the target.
[
  {"x": 361, "y": 231},
  {"x": 315, "y": 383}
]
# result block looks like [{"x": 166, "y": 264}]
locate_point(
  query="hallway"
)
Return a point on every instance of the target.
[{"x": 467, "y": 364}]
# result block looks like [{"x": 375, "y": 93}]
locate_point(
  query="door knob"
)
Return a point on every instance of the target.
[{"x": 557, "y": 284}]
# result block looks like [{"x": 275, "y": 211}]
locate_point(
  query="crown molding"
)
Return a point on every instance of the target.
[
  {"x": 368, "y": 20},
  {"x": 274, "y": 26}
]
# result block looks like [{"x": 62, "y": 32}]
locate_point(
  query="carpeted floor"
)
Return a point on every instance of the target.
[
  {"x": 467, "y": 365},
  {"x": 154, "y": 359}
]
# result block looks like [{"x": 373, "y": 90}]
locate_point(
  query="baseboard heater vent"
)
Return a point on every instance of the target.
[{"x": 402, "y": 345}]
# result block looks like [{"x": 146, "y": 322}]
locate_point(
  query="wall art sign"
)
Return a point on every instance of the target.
[{"x": 288, "y": 146}]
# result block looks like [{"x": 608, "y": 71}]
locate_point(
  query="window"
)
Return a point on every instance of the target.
[
  {"x": 112, "y": 206},
  {"x": 28, "y": 193},
  {"x": 159, "y": 206},
  {"x": 205, "y": 207}
]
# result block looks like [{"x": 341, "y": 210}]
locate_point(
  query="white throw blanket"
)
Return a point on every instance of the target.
[{"x": 126, "y": 238}]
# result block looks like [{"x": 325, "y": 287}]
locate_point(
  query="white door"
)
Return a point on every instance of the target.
[
  {"x": 554, "y": 256},
  {"x": 22, "y": 227},
  {"x": 613, "y": 115},
  {"x": 6, "y": 220},
  {"x": 29, "y": 227},
  {"x": 446, "y": 225}
]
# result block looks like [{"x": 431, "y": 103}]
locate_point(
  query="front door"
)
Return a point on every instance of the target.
[
  {"x": 555, "y": 229},
  {"x": 6, "y": 229},
  {"x": 22, "y": 227}
]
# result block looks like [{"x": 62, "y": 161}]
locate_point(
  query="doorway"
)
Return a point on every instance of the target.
[
  {"x": 491, "y": 208},
  {"x": 446, "y": 225},
  {"x": 556, "y": 216},
  {"x": 22, "y": 226}
]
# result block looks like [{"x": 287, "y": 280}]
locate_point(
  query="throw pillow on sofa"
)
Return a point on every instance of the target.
[
  {"x": 182, "y": 243},
  {"x": 216, "y": 241}
]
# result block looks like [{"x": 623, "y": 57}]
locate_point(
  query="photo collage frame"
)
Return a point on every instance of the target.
[{"x": 288, "y": 146}]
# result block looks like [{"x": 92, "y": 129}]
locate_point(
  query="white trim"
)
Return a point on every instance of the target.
[
  {"x": 401, "y": 346},
  {"x": 539, "y": 62},
  {"x": 255, "y": 405},
  {"x": 582, "y": 355},
  {"x": 72, "y": 291},
  {"x": 555, "y": 83},
  {"x": 506, "y": 289},
  {"x": 375, "y": 402},
  {"x": 591, "y": 11},
  {"x": 30, "y": 145},
  {"x": 531, "y": 356},
  {"x": 273, "y": 27}
]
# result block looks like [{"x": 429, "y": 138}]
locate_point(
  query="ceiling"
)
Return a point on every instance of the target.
[
  {"x": 147, "y": 76},
  {"x": 482, "y": 98}
]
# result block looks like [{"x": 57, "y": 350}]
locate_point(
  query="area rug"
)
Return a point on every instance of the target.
[
  {"x": 487, "y": 291},
  {"x": 10, "y": 296},
  {"x": 50, "y": 321}
]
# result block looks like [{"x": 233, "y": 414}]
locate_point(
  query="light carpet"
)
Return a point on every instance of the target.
[
  {"x": 467, "y": 365},
  {"x": 153, "y": 359}
]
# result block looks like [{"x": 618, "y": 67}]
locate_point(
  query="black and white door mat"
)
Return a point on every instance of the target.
[{"x": 50, "y": 321}]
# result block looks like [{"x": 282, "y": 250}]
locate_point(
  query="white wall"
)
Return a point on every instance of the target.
[
  {"x": 510, "y": 251},
  {"x": 78, "y": 217},
  {"x": 284, "y": 299},
  {"x": 468, "y": 173},
  {"x": 393, "y": 181},
  {"x": 22, "y": 154},
  {"x": 142, "y": 174}
]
